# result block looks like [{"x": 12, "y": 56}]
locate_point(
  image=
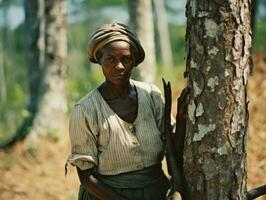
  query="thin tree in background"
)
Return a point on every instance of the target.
[
  {"x": 254, "y": 10},
  {"x": 46, "y": 28},
  {"x": 164, "y": 36},
  {"x": 262, "y": 4},
  {"x": 141, "y": 20},
  {"x": 3, "y": 93},
  {"x": 218, "y": 63},
  {"x": 4, "y": 48}
]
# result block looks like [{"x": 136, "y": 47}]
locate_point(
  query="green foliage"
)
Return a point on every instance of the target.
[
  {"x": 82, "y": 76},
  {"x": 177, "y": 37},
  {"x": 97, "y": 3},
  {"x": 55, "y": 134},
  {"x": 83, "y": 82},
  {"x": 13, "y": 109},
  {"x": 259, "y": 42},
  {"x": 174, "y": 75},
  {"x": 32, "y": 151}
]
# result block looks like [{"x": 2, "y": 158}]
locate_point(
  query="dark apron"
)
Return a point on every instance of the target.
[{"x": 147, "y": 184}]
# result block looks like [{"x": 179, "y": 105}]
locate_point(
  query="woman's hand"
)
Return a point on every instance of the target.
[
  {"x": 182, "y": 104},
  {"x": 174, "y": 195},
  {"x": 95, "y": 187}
]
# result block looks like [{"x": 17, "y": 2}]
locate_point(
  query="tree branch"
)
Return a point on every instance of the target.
[{"x": 256, "y": 192}]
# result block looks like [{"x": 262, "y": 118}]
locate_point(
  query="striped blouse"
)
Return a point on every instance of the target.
[{"x": 101, "y": 139}]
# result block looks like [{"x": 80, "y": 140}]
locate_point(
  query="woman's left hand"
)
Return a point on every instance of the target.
[
  {"x": 174, "y": 195},
  {"x": 182, "y": 103}
]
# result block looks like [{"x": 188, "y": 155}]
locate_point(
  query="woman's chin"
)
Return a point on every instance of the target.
[{"x": 119, "y": 80}]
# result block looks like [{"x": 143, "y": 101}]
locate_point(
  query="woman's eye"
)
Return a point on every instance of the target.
[
  {"x": 127, "y": 60},
  {"x": 110, "y": 59}
]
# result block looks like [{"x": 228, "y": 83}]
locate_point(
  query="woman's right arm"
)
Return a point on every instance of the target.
[
  {"x": 84, "y": 153},
  {"x": 95, "y": 187}
]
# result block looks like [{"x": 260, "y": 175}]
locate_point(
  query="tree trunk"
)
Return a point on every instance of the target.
[
  {"x": 52, "y": 105},
  {"x": 2, "y": 76},
  {"x": 164, "y": 36},
  {"x": 46, "y": 27},
  {"x": 218, "y": 63},
  {"x": 142, "y": 22},
  {"x": 35, "y": 25},
  {"x": 254, "y": 10},
  {"x": 262, "y": 5},
  {"x": 4, "y": 49}
]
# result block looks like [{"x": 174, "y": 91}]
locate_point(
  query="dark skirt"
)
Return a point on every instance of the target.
[{"x": 147, "y": 184}]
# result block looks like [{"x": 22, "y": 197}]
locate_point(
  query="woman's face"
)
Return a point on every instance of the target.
[{"x": 117, "y": 62}]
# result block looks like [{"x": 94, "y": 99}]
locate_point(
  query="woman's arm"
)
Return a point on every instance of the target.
[{"x": 95, "y": 187}]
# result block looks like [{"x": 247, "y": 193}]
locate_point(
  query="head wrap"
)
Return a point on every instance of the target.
[{"x": 114, "y": 32}]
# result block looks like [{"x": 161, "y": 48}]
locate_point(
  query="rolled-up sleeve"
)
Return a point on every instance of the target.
[{"x": 83, "y": 138}]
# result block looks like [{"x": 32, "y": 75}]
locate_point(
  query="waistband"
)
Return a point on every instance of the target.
[{"x": 135, "y": 179}]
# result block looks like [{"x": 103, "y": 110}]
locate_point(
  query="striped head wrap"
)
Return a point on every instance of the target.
[{"x": 108, "y": 33}]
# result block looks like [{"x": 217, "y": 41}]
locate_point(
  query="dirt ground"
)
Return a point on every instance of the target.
[
  {"x": 30, "y": 172},
  {"x": 257, "y": 123}
]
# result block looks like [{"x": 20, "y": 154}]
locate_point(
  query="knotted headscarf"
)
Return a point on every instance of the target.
[{"x": 113, "y": 32}]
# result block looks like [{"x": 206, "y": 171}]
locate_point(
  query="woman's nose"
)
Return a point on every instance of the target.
[{"x": 119, "y": 66}]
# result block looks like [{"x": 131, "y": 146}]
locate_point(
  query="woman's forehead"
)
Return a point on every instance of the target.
[{"x": 117, "y": 46}]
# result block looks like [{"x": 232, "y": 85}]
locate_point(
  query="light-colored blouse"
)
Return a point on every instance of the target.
[{"x": 101, "y": 139}]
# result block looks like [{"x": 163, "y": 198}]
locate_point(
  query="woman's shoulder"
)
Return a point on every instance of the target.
[
  {"x": 87, "y": 106},
  {"x": 89, "y": 100},
  {"x": 148, "y": 87}
]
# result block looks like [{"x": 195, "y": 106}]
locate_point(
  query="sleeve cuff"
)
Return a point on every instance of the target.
[{"x": 82, "y": 161}]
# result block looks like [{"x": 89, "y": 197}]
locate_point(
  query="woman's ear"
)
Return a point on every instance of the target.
[
  {"x": 134, "y": 54},
  {"x": 99, "y": 56}
]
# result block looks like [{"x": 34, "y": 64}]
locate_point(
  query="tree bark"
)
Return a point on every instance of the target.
[
  {"x": 142, "y": 22},
  {"x": 164, "y": 36},
  {"x": 52, "y": 105},
  {"x": 35, "y": 25},
  {"x": 218, "y": 63},
  {"x": 46, "y": 27}
]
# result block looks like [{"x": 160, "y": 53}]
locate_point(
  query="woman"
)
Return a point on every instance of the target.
[{"x": 116, "y": 129}]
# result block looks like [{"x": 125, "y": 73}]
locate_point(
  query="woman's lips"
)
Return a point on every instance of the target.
[{"x": 120, "y": 76}]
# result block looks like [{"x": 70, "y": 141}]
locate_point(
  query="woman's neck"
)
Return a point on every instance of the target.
[{"x": 118, "y": 91}]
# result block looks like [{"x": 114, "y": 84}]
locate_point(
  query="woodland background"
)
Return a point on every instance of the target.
[{"x": 36, "y": 171}]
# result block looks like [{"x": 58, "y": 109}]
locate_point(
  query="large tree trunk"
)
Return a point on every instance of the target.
[
  {"x": 219, "y": 42},
  {"x": 164, "y": 36},
  {"x": 142, "y": 22},
  {"x": 35, "y": 25},
  {"x": 46, "y": 27},
  {"x": 52, "y": 105}
]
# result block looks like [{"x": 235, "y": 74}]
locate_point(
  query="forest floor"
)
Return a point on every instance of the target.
[{"x": 30, "y": 172}]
